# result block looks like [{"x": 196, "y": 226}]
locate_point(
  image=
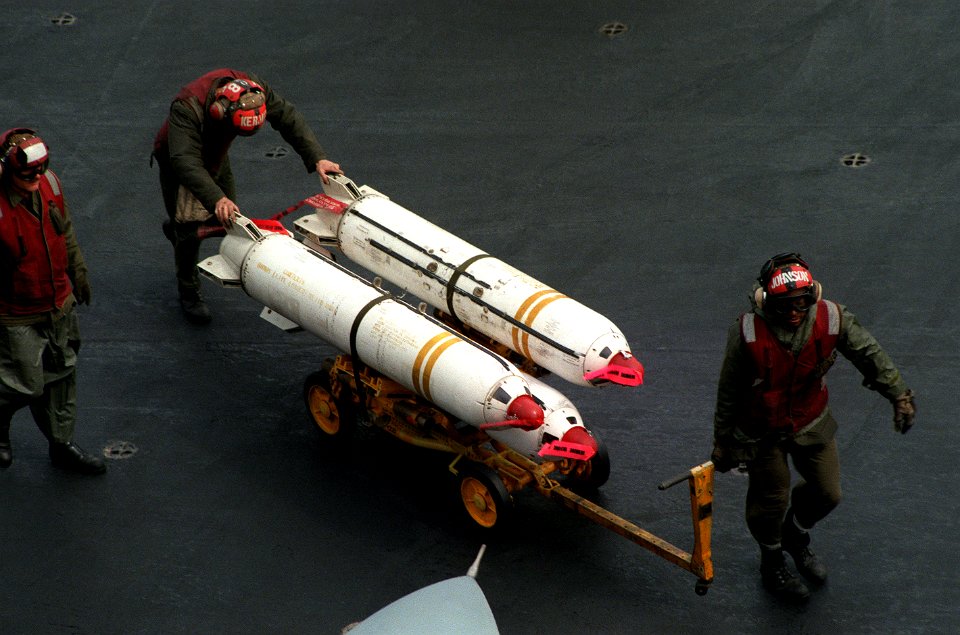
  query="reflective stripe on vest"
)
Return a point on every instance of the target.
[
  {"x": 833, "y": 315},
  {"x": 747, "y": 328},
  {"x": 54, "y": 183}
]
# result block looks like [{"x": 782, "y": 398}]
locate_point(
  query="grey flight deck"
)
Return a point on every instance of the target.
[{"x": 646, "y": 172}]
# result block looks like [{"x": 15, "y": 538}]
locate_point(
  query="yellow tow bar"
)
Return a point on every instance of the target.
[
  {"x": 698, "y": 562},
  {"x": 700, "y": 478}
]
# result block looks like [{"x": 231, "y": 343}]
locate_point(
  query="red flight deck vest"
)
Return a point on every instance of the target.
[
  {"x": 788, "y": 391},
  {"x": 33, "y": 253}
]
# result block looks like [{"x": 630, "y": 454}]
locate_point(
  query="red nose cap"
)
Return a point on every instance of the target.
[
  {"x": 526, "y": 408},
  {"x": 580, "y": 436},
  {"x": 623, "y": 369},
  {"x": 523, "y": 413}
]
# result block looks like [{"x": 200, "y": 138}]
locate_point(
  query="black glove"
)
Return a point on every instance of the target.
[
  {"x": 904, "y": 411},
  {"x": 722, "y": 461}
]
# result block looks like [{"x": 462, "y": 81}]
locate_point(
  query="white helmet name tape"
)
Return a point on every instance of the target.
[{"x": 34, "y": 152}]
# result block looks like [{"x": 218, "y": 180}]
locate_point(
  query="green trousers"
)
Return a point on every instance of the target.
[
  {"x": 186, "y": 245},
  {"x": 38, "y": 369},
  {"x": 769, "y": 494}
]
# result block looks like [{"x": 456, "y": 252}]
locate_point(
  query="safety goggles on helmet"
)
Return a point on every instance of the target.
[{"x": 28, "y": 174}]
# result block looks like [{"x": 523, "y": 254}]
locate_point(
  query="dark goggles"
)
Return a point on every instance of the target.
[
  {"x": 32, "y": 172},
  {"x": 795, "y": 304}
]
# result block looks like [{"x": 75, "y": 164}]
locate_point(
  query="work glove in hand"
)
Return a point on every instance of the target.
[
  {"x": 722, "y": 461},
  {"x": 903, "y": 412}
]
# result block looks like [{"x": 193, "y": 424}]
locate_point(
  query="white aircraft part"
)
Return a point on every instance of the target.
[
  {"x": 555, "y": 331},
  {"x": 456, "y": 606}
]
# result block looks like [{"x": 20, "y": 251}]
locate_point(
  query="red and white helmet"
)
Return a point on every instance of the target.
[
  {"x": 241, "y": 102},
  {"x": 22, "y": 150},
  {"x": 786, "y": 277}
]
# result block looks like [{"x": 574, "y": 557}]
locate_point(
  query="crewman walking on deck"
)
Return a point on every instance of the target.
[
  {"x": 42, "y": 277},
  {"x": 772, "y": 404}
]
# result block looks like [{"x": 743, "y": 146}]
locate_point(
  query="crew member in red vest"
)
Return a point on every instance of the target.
[
  {"x": 772, "y": 404},
  {"x": 195, "y": 176},
  {"x": 42, "y": 277}
]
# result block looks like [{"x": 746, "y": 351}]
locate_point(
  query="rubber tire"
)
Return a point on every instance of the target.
[
  {"x": 598, "y": 471},
  {"x": 332, "y": 417},
  {"x": 483, "y": 497}
]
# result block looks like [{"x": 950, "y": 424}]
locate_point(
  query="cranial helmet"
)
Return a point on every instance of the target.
[
  {"x": 242, "y": 103},
  {"x": 21, "y": 149},
  {"x": 783, "y": 276}
]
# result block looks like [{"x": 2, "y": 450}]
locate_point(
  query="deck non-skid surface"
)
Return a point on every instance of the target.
[{"x": 647, "y": 172}]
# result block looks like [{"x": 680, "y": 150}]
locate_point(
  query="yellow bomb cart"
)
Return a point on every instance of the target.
[
  {"x": 489, "y": 472},
  {"x": 462, "y": 379}
]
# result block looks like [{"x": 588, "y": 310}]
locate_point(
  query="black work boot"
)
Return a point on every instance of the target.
[
  {"x": 777, "y": 577},
  {"x": 186, "y": 252},
  {"x": 796, "y": 542},
  {"x": 194, "y": 308},
  {"x": 6, "y": 452},
  {"x": 169, "y": 232},
  {"x": 69, "y": 456}
]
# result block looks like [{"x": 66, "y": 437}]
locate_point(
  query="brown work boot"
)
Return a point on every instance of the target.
[
  {"x": 796, "y": 542},
  {"x": 777, "y": 577}
]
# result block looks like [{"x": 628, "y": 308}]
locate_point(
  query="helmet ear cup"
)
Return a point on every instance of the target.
[
  {"x": 218, "y": 109},
  {"x": 817, "y": 291},
  {"x": 759, "y": 296}
]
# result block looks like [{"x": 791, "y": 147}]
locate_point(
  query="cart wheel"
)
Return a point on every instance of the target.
[
  {"x": 484, "y": 497},
  {"x": 594, "y": 473},
  {"x": 332, "y": 416}
]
